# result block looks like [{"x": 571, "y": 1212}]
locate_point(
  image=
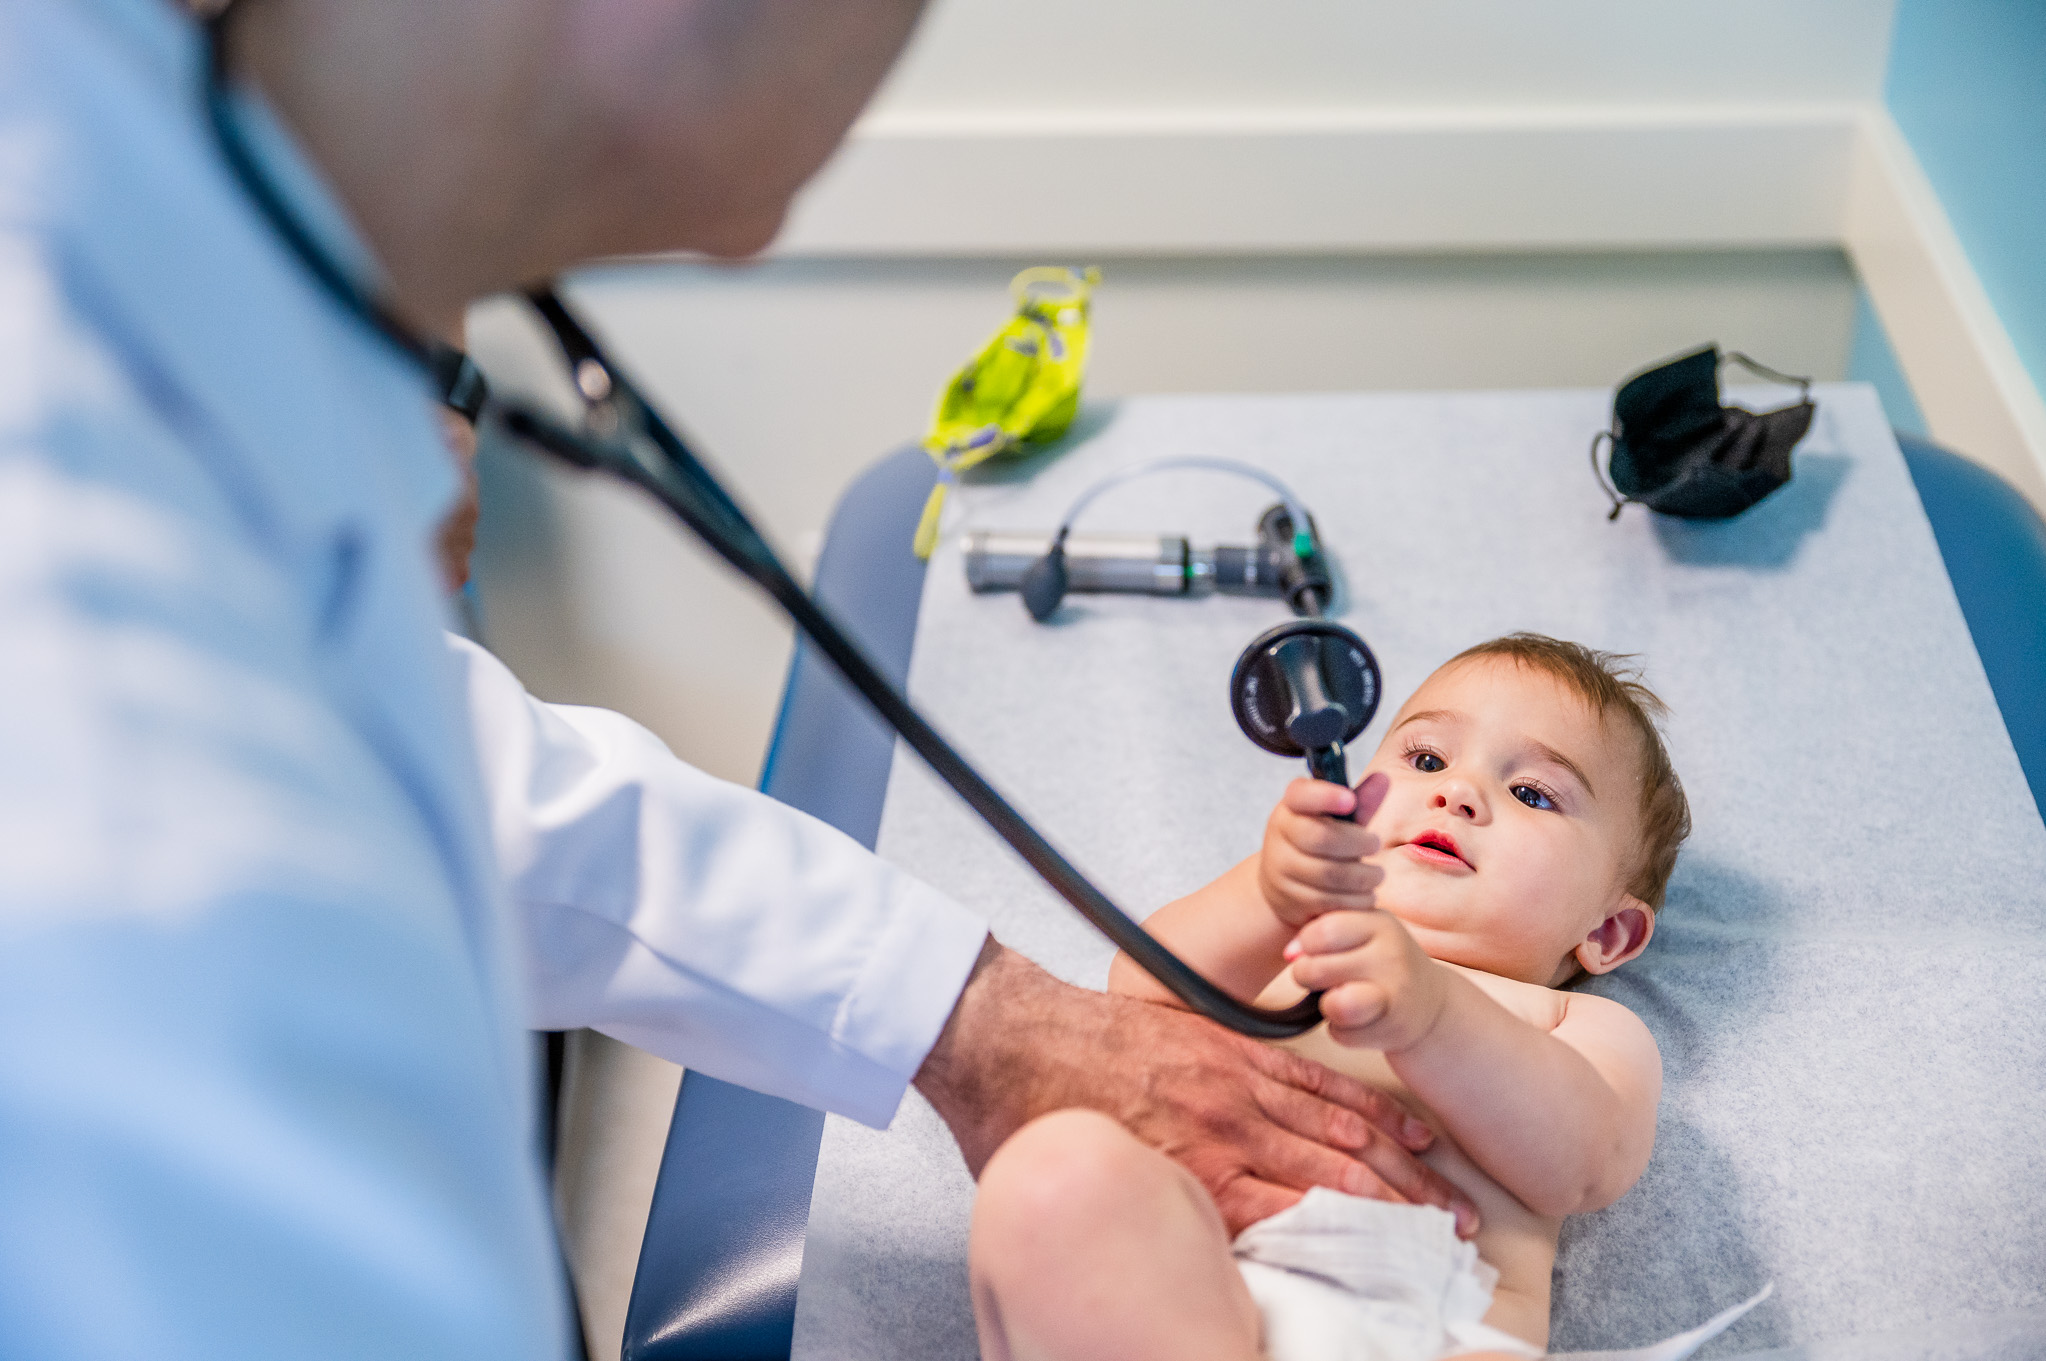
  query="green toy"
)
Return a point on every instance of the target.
[{"x": 1022, "y": 388}]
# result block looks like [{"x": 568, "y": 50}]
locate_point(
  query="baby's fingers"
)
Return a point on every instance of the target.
[
  {"x": 1351, "y": 1009},
  {"x": 1325, "y": 799},
  {"x": 1318, "y": 972},
  {"x": 1318, "y": 799},
  {"x": 1355, "y": 879},
  {"x": 1327, "y": 839},
  {"x": 1334, "y": 932}
]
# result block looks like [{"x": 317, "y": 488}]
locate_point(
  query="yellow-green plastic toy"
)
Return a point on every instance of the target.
[{"x": 1022, "y": 388}]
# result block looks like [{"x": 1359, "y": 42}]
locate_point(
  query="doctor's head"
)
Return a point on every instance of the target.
[{"x": 481, "y": 144}]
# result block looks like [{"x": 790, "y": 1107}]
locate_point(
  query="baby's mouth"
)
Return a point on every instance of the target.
[{"x": 1437, "y": 848}]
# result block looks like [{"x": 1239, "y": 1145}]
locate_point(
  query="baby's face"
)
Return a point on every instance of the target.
[{"x": 1512, "y": 823}]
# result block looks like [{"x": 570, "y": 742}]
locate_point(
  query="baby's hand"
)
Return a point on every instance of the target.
[
  {"x": 1313, "y": 856},
  {"x": 1382, "y": 992}
]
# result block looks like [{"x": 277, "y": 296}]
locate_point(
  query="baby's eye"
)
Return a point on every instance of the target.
[
  {"x": 1532, "y": 797},
  {"x": 1428, "y": 762}
]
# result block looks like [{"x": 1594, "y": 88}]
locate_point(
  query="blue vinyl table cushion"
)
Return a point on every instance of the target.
[
  {"x": 1994, "y": 547},
  {"x": 724, "y": 1240}
]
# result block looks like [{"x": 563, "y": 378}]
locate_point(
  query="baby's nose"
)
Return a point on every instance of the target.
[{"x": 1456, "y": 801}]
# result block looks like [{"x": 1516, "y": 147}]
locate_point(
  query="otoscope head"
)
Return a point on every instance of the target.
[
  {"x": 1303, "y": 572},
  {"x": 1306, "y": 688}
]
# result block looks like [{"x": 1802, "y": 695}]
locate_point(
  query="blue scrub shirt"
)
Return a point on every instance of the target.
[{"x": 263, "y": 1086}]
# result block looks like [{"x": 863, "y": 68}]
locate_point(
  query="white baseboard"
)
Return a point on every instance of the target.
[
  {"x": 1238, "y": 182},
  {"x": 1249, "y": 182}
]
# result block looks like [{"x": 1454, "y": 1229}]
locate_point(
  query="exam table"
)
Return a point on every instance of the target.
[{"x": 724, "y": 1242}]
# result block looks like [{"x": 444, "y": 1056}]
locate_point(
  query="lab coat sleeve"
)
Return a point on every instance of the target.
[{"x": 705, "y": 922}]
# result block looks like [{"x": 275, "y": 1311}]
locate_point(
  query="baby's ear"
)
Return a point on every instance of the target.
[{"x": 1622, "y": 935}]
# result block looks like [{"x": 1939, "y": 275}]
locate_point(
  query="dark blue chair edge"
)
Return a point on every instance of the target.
[
  {"x": 724, "y": 1241},
  {"x": 1994, "y": 546}
]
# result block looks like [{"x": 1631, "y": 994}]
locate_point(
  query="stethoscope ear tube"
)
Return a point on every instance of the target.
[
  {"x": 643, "y": 450},
  {"x": 626, "y": 437}
]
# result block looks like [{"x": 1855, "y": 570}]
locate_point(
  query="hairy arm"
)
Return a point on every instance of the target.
[{"x": 1256, "y": 1124}]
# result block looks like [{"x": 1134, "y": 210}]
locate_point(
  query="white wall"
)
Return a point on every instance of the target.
[
  {"x": 1485, "y": 124},
  {"x": 1080, "y": 56}
]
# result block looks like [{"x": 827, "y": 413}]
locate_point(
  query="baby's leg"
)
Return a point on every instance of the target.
[{"x": 1086, "y": 1243}]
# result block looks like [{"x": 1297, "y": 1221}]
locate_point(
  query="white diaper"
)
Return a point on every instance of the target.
[
  {"x": 1338, "y": 1278},
  {"x": 1342, "y": 1279}
]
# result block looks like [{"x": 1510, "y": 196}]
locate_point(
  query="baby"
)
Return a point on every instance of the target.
[{"x": 1524, "y": 820}]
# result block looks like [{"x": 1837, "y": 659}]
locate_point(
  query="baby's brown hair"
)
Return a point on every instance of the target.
[{"x": 1611, "y": 685}]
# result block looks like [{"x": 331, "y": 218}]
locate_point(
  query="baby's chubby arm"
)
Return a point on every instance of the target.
[
  {"x": 1557, "y": 1105},
  {"x": 1235, "y": 929},
  {"x": 1230, "y": 932}
]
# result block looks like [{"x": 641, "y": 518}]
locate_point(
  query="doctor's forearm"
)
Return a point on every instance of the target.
[{"x": 977, "y": 1076}]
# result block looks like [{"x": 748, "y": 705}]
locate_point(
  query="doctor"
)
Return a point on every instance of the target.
[{"x": 282, "y": 880}]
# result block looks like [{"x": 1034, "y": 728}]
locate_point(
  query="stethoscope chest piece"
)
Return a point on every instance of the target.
[{"x": 1306, "y": 688}]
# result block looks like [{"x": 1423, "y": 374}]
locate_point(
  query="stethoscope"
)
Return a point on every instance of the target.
[{"x": 624, "y": 436}]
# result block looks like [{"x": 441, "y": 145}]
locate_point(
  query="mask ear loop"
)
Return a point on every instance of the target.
[
  {"x": 1604, "y": 483},
  {"x": 1761, "y": 370}
]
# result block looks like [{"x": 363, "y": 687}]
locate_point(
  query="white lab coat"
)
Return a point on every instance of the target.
[
  {"x": 268, "y": 943},
  {"x": 705, "y": 922}
]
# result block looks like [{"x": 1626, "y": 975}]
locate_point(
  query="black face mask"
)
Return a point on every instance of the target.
[{"x": 1678, "y": 451}]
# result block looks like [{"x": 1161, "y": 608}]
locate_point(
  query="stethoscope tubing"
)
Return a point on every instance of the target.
[
  {"x": 642, "y": 448},
  {"x": 677, "y": 479}
]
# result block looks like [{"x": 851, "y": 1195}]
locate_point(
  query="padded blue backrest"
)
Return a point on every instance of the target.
[
  {"x": 1994, "y": 545},
  {"x": 724, "y": 1241}
]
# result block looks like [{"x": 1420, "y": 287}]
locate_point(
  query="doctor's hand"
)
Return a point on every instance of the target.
[
  {"x": 1257, "y": 1125},
  {"x": 1312, "y": 860}
]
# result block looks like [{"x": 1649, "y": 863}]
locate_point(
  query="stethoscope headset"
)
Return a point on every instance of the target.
[{"x": 1304, "y": 688}]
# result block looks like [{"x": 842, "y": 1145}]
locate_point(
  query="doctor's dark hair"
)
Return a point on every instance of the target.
[{"x": 1611, "y": 685}]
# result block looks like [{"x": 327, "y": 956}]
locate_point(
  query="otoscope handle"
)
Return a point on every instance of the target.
[{"x": 679, "y": 481}]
